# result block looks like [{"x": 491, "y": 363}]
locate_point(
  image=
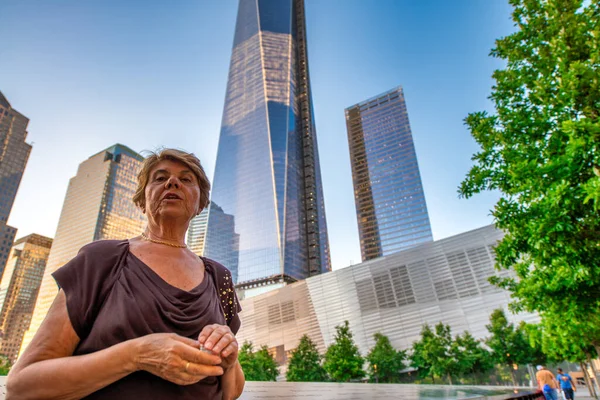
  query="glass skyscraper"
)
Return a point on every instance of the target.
[
  {"x": 390, "y": 203},
  {"x": 196, "y": 233},
  {"x": 269, "y": 226},
  {"x": 14, "y": 153},
  {"x": 19, "y": 290},
  {"x": 98, "y": 205}
]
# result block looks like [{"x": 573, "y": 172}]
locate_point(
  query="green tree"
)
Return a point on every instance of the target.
[
  {"x": 4, "y": 365},
  {"x": 343, "y": 361},
  {"x": 538, "y": 354},
  {"x": 435, "y": 354},
  {"x": 257, "y": 366},
  {"x": 385, "y": 362},
  {"x": 509, "y": 345},
  {"x": 541, "y": 150},
  {"x": 421, "y": 356},
  {"x": 305, "y": 363},
  {"x": 471, "y": 357}
]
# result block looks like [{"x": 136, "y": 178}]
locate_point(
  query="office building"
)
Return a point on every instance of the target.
[
  {"x": 390, "y": 203},
  {"x": 19, "y": 290},
  {"x": 98, "y": 205},
  {"x": 196, "y": 233},
  {"x": 14, "y": 153},
  {"x": 267, "y": 177}
]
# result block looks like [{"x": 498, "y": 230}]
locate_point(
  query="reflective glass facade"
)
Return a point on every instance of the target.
[
  {"x": 390, "y": 203},
  {"x": 196, "y": 233},
  {"x": 98, "y": 205},
  {"x": 19, "y": 290},
  {"x": 14, "y": 153},
  {"x": 268, "y": 224}
]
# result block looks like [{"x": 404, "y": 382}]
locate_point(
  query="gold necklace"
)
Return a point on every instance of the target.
[{"x": 179, "y": 246}]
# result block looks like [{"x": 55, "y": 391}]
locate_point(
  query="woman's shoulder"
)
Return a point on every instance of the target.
[
  {"x": 217, "y": 268},
  {"x": 105, "y": 247}
]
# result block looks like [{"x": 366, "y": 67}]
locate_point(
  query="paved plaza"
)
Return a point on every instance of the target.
[{"x": 362, "y": 391}]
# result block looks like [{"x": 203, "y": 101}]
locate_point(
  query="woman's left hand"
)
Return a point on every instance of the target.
[{"x": 221, "y": 341}]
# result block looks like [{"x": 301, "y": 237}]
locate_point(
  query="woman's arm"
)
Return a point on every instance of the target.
[
  {"x": 233, "y": 382},
  {"x": 48, "y": 370},
  {"x": 220, "y": 340}
]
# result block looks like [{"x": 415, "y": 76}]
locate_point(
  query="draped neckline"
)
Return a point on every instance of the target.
[{"x": 163, "y": 284}]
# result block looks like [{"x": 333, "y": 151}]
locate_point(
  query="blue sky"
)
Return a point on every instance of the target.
[{"x": 153, "y": 73}]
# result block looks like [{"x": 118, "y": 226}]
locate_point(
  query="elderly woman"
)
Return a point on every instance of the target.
[{"x": 143, "y": 318}]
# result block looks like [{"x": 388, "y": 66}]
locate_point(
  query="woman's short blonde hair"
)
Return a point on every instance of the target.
[{"x": 188, "y": 159}]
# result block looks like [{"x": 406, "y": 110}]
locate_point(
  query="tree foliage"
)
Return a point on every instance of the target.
[
  {"x": 435, "y": 353},
  {"x": 4, "y": 365},
  {"x": 257, "y": 366},
  {"x": 472, "y": 358},
  {"x": 541, "y": 150},
  {"x": 385, "y": 362},
  {"x": 305, "y": 363},
  {"x": 343, "y": 361},
  {"x": 509, "y": 344}
]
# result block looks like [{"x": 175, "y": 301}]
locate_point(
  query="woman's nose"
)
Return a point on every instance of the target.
[{"x": 173, "y": 182}]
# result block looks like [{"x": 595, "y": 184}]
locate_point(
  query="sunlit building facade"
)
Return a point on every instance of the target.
[
  {"x": 442, "y": 281},
  {"x": 390, "y": 202},
  {"x": 98, "y": 205},
  {"x": 19, "y": 290},
  {"x": 196, "y": 233},
  {"x": 14, "y": 153},
  {"x": 267, "y": 182}
]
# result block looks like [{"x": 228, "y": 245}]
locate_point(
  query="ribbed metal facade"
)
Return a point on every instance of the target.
[{"x": 445, "y": 281}]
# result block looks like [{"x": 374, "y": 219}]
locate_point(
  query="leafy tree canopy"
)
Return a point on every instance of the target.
[
  {"x": 541, "y": 150},
  {"x": 4, "y": 365},
  {"x": 385, "y": 362},
  {"x": 509, "y": 345},
  {"x": 257, "y": 366},
  {"x": 435, "y": 354},
  {"x": 305, "y": 363},
  {"x": 472, "y": 358},
  {"x": 343, "y": 361}
]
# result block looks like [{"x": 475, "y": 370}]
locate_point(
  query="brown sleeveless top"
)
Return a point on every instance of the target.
[{"x": 112, "y": 296}]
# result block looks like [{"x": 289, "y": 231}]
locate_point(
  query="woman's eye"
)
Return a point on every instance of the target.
[
  {"x": 159, "y": 178},
  {"x": 186, "y": 180}
]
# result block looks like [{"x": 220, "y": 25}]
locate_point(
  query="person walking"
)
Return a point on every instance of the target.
[
  {"x": 567, "y": 385},
  {"x": 547, "y": 383}
]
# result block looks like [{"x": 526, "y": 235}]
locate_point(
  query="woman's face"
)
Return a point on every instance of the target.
[{"x": 172, "y": 191}]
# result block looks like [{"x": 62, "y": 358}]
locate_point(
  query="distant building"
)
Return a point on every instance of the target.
[
  {"x": 196, "y": 233},
  {"x": 390, "y": 203},
  {"x": 19, "y": 290},
  {"x": 223, "y": 228},
  {"x": 14, "y": 153},
  {"x": 267, "y": 174},
  {"x": 442, "y": 281},
  {"x": 98, "y": 205}
]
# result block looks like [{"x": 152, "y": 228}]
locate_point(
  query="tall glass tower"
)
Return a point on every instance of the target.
[
  {"x": 390, "y": 203},
  {"x": 98, "y": 205},
  {"x": 270, "y": 225},
  {"x": 14, "y": 153}
]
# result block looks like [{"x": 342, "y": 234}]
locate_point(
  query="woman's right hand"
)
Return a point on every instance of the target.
[{"x": 175, "y": 358}]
